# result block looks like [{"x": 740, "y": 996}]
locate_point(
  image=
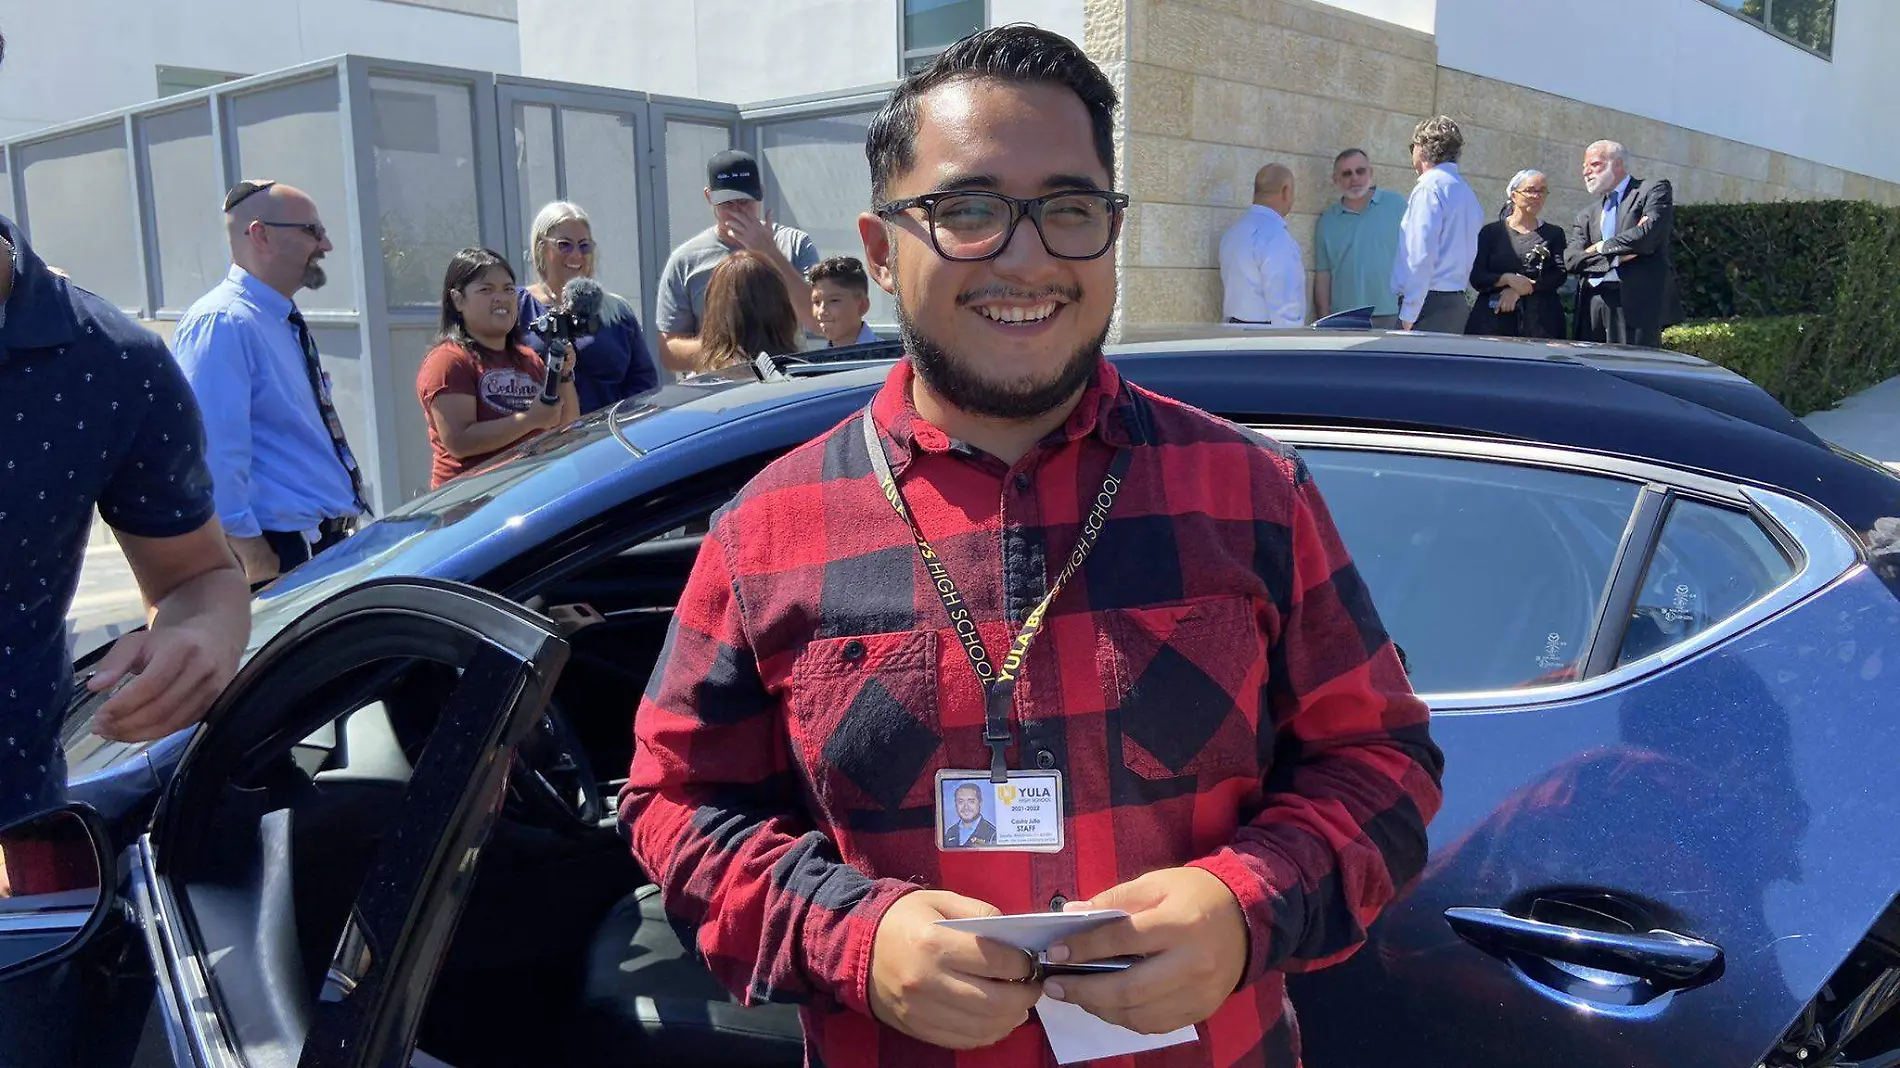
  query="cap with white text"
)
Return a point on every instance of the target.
[{"x": 733, "y": 176}]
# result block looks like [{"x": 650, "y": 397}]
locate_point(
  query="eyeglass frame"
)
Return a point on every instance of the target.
[
  {"x": 314, "y": 231},
  {"x": 1019, "y": 209},
  {"x": 556, "y": 242}
]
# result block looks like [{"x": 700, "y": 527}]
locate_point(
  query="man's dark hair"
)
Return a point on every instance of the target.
[
  {"x": 1017, "y": 53},
  {"x": 847, "y": 271},
  {"x": 1348, "y": 154}
]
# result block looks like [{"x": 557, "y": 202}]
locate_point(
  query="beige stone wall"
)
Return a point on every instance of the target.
[{"x": 1213, "y": 89}]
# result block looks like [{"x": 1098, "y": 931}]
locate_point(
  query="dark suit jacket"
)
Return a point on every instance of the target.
[
  {"x": 1650, "y": 298},
  {"x": 984, "y": 835}
]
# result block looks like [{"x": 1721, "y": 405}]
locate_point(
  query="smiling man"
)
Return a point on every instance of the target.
[{"x": 1131, "y": 623}]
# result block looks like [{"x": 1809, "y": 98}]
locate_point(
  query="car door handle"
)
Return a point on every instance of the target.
[{"x": 1665, "y": 960}]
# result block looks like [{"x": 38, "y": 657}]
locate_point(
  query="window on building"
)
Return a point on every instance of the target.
[
  {"x": 1808, "y": 23},
  {"x": 930, "y": 26},
  {"x": 175, "y": 80}
]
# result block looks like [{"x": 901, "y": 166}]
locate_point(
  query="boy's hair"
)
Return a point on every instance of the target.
[{"x": 847, "y": 271}]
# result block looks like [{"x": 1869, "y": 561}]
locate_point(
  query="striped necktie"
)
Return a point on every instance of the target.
[{"x": 320, "y": 386}]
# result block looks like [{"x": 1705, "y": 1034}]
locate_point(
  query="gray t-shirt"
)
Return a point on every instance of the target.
[{"x": 683, "y": 282}]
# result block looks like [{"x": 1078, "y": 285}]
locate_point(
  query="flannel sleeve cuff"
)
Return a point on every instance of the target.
[
  {"x": 1255, "y": 884},
  {"x": 853, "y": 987}
]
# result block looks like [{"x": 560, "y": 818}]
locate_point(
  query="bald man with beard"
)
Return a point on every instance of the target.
[
  {"x": 1261, "y": 272},
  {"x": 286, "y": 482}
]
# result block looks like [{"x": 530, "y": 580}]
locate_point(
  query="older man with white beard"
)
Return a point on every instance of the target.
[
  {"x": 287, "y": 485},
  {"x": 1620, "y": 247}
]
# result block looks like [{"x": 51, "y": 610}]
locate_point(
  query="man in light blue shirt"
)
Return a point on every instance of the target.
[
  {"x": 1355, "y": 242},
  {"x": 1438, "y": 240},
  {"x": 286, "y": 483}
]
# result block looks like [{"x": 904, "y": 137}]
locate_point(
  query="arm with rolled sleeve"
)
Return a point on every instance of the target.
[
  {"x": 1356, "y": 776},
  {"x": 713, "y": 813},
  {"x": 1418, "y": 240},
  {"x": 216, "y": 357}
]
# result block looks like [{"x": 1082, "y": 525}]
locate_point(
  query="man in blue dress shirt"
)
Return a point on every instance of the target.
[
  {"x": 1438, "y": 239},
  {"x": 286, "y": 482}
]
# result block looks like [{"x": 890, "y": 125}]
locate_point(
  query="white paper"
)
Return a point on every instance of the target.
[
  {"x": 1076, "y": 1035},
  {"x": 1034, "y": 931}
]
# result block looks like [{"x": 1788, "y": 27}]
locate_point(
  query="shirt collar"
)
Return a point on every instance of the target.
[
  {"x": 39, "y": 310},
  {"x": 1339, "y": 203},
  {"x": 1623, "y": 187},
  {"x": 1265, "y": 212},
  {"x": 267, "y": 300},
  {"x": 1109, "y": 409}
]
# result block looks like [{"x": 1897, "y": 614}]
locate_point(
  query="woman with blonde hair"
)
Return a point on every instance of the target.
[
  {"x": 747, "y": 313},
  {"x": 612, "y": 363}
]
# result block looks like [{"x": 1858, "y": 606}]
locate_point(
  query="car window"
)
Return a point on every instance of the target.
[
  {"x": 1487, "y": 575},
  {"x": 1710, "y": 563}
]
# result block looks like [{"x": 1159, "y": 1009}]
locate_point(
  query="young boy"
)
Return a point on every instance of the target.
[{"x": 840, "y": 299}]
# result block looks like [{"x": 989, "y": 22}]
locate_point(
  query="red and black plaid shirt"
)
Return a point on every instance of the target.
[{"x": 1214, "y": 685}]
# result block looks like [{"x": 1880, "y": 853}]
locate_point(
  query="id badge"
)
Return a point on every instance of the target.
[{"x": 1022, "y": 814}]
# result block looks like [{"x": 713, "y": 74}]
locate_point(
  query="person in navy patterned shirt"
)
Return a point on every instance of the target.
[{"x": 94, "y": 414}]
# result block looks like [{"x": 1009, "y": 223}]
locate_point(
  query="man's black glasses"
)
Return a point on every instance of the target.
[
  {"x": 244, "y": 191},
  {"x": 975, "y": 225},
  {"x": 315, "y": 230}
]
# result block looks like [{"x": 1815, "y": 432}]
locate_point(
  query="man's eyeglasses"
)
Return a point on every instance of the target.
[
  {"x": 567, "y": 248},
  {"x": 244, "y": 191},
  {"x": 315, "y": 230},
  {"x": 977, "y": 225},
  {"x": 1356, "y": 172}
]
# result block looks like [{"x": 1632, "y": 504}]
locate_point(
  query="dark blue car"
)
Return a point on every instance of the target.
[{"x": 1653, "y": 615}]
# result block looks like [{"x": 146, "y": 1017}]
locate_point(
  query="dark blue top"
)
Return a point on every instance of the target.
[
  {"x": 610, "y": 365},
  {"x": 93, "y": 412}
]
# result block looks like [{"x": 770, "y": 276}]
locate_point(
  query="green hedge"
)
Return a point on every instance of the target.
[{"x": 1805, "y": 295}]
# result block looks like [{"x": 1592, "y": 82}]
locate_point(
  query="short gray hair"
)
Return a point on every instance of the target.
[
  {"x": 1439, "y": 139},
  {"x": 555, "y": 214},
  {"x": 1612, "y": 149}
]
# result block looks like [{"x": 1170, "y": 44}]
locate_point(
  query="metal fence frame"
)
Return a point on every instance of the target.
[{"x": 500, "y": 222}]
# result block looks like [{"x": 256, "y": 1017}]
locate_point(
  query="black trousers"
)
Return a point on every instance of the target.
[
  {"x": 292, "y": 549},
  {"x": 1605, "y": 319}
]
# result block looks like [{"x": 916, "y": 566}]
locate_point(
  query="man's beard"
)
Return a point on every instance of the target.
[
  {"x": 954, "y": 381},
  {"x": 313, "y": 276}
]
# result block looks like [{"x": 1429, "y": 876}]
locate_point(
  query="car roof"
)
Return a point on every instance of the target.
[{"x": 1661, "y": 407}]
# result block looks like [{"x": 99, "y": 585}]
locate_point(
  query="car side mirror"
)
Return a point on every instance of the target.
[{"x": 52, "y": 887}]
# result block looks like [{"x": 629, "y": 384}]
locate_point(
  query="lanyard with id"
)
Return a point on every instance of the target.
[{"x": 998, "y": 809}]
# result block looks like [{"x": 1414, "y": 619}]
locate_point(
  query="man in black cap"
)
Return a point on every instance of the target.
[{"x": 739, "y": 222}]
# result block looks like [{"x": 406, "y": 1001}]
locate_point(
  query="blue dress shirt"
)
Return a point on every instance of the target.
[
  {"x": 273, "y": 465},
  {"x": 1438, "y": 241}
]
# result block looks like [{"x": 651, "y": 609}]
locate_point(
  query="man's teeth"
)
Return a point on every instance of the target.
[{"x": 1019, "y": 315}]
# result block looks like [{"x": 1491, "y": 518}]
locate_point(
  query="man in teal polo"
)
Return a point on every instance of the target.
[{"x": 1354, "y": 244}]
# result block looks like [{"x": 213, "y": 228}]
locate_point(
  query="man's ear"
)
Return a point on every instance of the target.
[{"x": 878, "y": 252}]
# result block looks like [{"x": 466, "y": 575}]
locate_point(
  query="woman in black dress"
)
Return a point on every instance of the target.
[{"x": 1519, "y": 268}]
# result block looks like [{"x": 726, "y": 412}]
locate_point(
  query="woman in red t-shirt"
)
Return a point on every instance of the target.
[{"x": 480, "y": 387}]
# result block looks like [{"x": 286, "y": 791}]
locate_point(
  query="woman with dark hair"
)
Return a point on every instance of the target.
[
  {"x": 480, "y": 387},
  {"x": 747, "y": 312},
  {"x": 1519, "y": 267}
]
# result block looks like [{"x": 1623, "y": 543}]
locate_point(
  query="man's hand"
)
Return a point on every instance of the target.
[
  {"x": 1593, "y": 249},
  {"x": 1189, "y": 927},
  {"x": 257, "y": 558},
  {"x": 741, "y": 227},
  {"x": 180, "y": 670},
  {"x": 1405, "y": 326},
  {"x": 947, "y": 988}
]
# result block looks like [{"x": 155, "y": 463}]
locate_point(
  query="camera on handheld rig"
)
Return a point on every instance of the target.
[{"x": 578, "y": 315}]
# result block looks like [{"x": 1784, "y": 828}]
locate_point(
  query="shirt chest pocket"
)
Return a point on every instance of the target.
[
  {"x": 1185, "y": 690},
  {"x": 864, "y": 722}
]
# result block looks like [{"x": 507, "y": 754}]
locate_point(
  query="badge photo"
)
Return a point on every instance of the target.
[{"x": 1022, "y": 813}]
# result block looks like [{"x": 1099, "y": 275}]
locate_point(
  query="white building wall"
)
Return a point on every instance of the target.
[
  {"x": 1685, "y": 63},
  {"x": 1691, "y": 65},
  {"x": 736, "y": 51},
  {"x": 67, "y": 59}
]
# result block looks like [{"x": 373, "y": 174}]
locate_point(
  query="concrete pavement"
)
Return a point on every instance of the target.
[{"x": 1867, "y": 422}]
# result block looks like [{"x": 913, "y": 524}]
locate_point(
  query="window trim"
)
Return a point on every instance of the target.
[
  {"x": 905, "y": 53},
  {"x": 1820, "y": 549},
  {"x": 1767, "y": 25}
]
